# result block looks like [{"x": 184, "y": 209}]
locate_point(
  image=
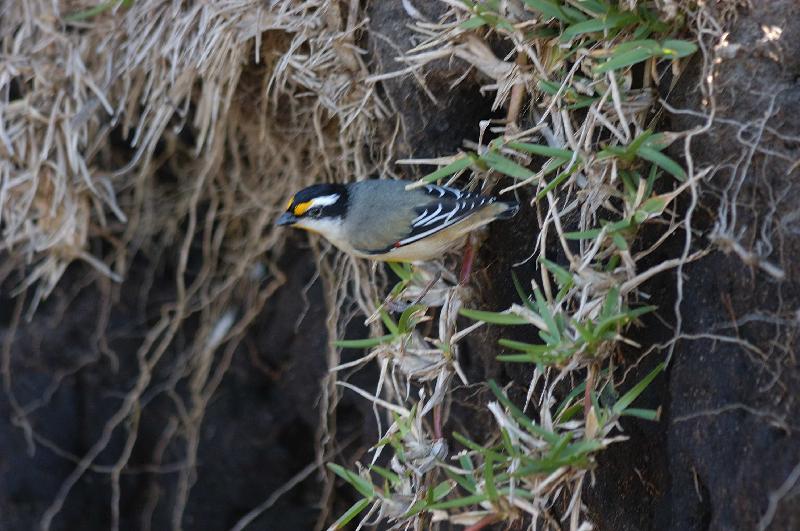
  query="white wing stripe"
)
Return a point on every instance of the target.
[
  {"x": 414, "y": 221},
  {"x": 444, "y": 190},
  {"x": 419, "y": 236},
  {"x": 442, "y": 221},
  {"x": 423, "y": 221},
  {"x": 448, "y": 216}
]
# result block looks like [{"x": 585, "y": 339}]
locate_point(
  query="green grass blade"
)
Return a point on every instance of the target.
[
  {"x": 442, "y": 489},
  {"x": 524, "y": 347},
  {"x": 619, "y": 241},
  {"x": 582, "y": 235},
  {"x": 555, "y": 182},
  {"x": 648, "y": 44},
  {"x": 571, "y": 412},
  {"x": 646, "y": 414},
  {"x": 611, "y": 304},
  {"x": 99, "y": 9},
  {"x": 464, "y": 481},
  {"x": 628, "y": 398},
  {"x": 386, "y": 474},
  {"x": 488, "y": 477},
  {"x": 364, "y": 343},
  {"x": 596, "y": 25},
  {"x": 559, "y": 447},
  {"x": 595, "y": 6},
  {"x": 411, "y": 317},
  {"x": 506, "y": 166},
  {"x": 363, "y": 486},
  {"x": 451, "y": 169},
  {"x": 618, "y": 225},
  {"x": 468, "y": 443},
  {"x": 574, "y": 15},
  {"x": 638, "y": 142},
  {"x": 660, "y": 141},
  {"x": 621, "y": 60},
  {"x": 520, "y": 417},
  {"x": 676, "y": 48},
  {"x": 654, "y": 205},
  {"x": 547, "y": 316},
  {"x": 549, "y": 9},
  {"x": 515, "y": 358},
  {"x": 580, "y": 449},
  {"x": 663, "y": 162},
  {"x": 506, "y": 319},
  {"x": 472, "y": 23},
  {"x": 563, "y": 277},
  {"x": 401, "y": 269},
  {"x": 460, "y": 502},
  {"x": 548, "y": 87},
  {"x": 351, "y": 513},
  {"x": 576, "y": 391},
  {"x": 388, "y": 322},
  {"x": 543, "y": 151},
  {"x": 521, "y": 292}
]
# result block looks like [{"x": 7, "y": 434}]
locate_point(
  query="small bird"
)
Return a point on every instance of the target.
[{"x": 381, "y": 220}]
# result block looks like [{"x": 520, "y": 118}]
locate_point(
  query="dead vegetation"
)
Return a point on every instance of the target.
[{"x": 173, "y": 132}]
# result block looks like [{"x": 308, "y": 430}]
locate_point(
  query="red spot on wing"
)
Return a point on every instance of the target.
[{"x": 396, "y": 245}]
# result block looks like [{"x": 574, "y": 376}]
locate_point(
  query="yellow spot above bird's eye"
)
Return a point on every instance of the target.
[
  {"x": 289, "y": 204},
  {"x": 301, "y": 208}
]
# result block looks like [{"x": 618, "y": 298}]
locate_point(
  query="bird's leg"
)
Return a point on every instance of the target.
[
  {"x": 437, "y": 421},
  {"x": 467, "y": 261}
]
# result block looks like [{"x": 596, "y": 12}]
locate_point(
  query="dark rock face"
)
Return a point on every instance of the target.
[
  {"x": 727, "y": 452},
  {"x": 432, "y": 128},
  {"x": 259, "y": 429},
  {"x": 734, "y": 405}
]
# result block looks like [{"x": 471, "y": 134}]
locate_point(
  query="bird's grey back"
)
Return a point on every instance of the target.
[{"x": 385, "y": 200}]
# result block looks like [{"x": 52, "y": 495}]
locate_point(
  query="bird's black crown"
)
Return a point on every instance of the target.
[{"x": 307, "y": 195}]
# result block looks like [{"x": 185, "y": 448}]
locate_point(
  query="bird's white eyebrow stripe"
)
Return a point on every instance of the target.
[{"x": 325, "y": 200}]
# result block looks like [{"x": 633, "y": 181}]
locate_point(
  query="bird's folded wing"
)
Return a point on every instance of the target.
[{"x": 444, "y": 207}]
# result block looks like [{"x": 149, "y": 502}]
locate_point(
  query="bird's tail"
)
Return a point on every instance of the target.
[{"x": 512, "y": 207}]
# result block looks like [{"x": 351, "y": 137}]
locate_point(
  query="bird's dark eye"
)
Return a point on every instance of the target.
[{"x": 314, "y": 212}]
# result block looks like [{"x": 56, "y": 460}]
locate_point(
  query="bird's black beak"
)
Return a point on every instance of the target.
[{"x": 287, "y": 218}]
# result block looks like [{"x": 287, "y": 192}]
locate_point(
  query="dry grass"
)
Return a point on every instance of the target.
[{"x": 239, "y": 103}]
